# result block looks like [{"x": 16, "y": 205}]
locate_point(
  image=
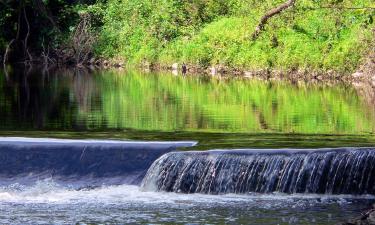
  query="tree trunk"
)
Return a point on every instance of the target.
[{"x": 269, "y": 14}]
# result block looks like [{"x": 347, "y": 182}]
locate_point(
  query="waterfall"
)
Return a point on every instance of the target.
[{"x": 322, "y": 171}]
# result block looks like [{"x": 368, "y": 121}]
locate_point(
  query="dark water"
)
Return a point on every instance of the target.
[{"x": 217, "y": 112}]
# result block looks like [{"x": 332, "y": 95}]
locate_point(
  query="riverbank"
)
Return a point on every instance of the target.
[
  {"x": 364, "y": 75},
  {"x": 306, "y": 41}
]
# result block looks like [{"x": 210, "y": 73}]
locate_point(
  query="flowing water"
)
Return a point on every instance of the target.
[
  {"x": 321, "y": 171},
  {"x": 44, "y": 181}
]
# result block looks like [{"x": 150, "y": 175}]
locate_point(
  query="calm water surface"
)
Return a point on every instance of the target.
[{"x": 217, "y": 112}]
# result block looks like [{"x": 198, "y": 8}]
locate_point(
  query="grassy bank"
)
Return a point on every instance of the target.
[
  {"x": 307, "y": 36},
  {"x": 312, "y": 35}
]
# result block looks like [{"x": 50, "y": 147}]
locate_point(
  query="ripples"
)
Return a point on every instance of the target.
[{"x": 48, "y": 202}]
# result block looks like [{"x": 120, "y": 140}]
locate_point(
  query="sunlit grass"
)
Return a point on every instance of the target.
[{"x": 211, "y": 32}]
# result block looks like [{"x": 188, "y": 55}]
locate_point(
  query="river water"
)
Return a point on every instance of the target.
[
  {"x": 216, "y": 112},
  {"x": 47, "y": 203}
]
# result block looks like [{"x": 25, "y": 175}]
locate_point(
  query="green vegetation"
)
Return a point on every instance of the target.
[
  {"x": 208, "y": 32},
  {"x": 318, "y": 35}
]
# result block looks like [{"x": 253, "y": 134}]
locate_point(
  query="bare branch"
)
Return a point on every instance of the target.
[
  {"x": 5, "y": 58},
  {"x": 269, "y": 14},
  {"x": 27, "y": 36},
  {"x": 83, "y": 40}
]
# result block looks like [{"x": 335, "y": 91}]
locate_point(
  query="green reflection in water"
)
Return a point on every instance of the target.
[
  {"x": 164, "y": 102},
  {"x": 217, "y": 112}
]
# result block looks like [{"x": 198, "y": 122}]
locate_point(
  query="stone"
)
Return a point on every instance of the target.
[
  {"x": 371, "y": 217},
  {"x": 248, "y": 74},
  {"x": 357, "y": 75},
  {"x": 184, "y": 68},
  {"x": 92, "y": 61},
  {"x": 213, "y": 70},
  {"x": 175, "y": 66}
]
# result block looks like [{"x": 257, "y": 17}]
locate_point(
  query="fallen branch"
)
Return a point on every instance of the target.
[{"x": 269, "y": 14}]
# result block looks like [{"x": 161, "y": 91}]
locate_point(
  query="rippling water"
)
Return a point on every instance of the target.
[{"x": 47, "y": 203}]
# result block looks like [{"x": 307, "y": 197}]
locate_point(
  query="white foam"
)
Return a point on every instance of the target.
[
  {"x": 49, "y": 192},
  {"x": 90, "y": 141}
]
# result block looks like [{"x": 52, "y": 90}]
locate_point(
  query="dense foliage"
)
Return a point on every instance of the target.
[
  {"x": 34, "y": 25},
  {"x": 218, "y": 31},
  {"x": 314, "y": 34}
]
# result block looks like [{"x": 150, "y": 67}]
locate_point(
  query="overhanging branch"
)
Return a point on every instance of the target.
[{"x": 269, "y": 14}]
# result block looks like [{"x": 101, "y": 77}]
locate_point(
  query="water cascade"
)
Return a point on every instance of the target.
[{"x": 322, "y": 171}]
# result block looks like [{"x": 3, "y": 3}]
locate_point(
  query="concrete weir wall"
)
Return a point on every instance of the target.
[{"x": 79, "y": 162}]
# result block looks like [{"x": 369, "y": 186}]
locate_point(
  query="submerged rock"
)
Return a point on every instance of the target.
[{"x": 367, "y": 218}]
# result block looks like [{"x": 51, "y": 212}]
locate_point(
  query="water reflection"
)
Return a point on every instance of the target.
[{"x": 83, "y": 100}]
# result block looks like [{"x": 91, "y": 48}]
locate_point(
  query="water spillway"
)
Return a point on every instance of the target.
[
  {"x": 323, "y": 171},
  {"x": 79, "y": 163}
]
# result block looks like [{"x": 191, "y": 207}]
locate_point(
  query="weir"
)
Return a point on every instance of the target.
[
  {"x": 79, "y": 163},
  {"x": 322, "y": 171}
]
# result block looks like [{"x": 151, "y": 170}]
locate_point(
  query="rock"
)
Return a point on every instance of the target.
[
  {"x": 367, "y": 218},
  {"x": 371, "y": 217},
  {"x": 248, "y": 74},
  {"x": 98, "y": 62},
  {"x": 92, "y": 61},
  {"x": 184, "y": 68},
  {"x": 120, "y": 64},
  {"x": 222, "y": 69},
  {"x": 175, "y": 66},
  {"x": 357, "y": 75},
  {"x": 213, "y": 70}
]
